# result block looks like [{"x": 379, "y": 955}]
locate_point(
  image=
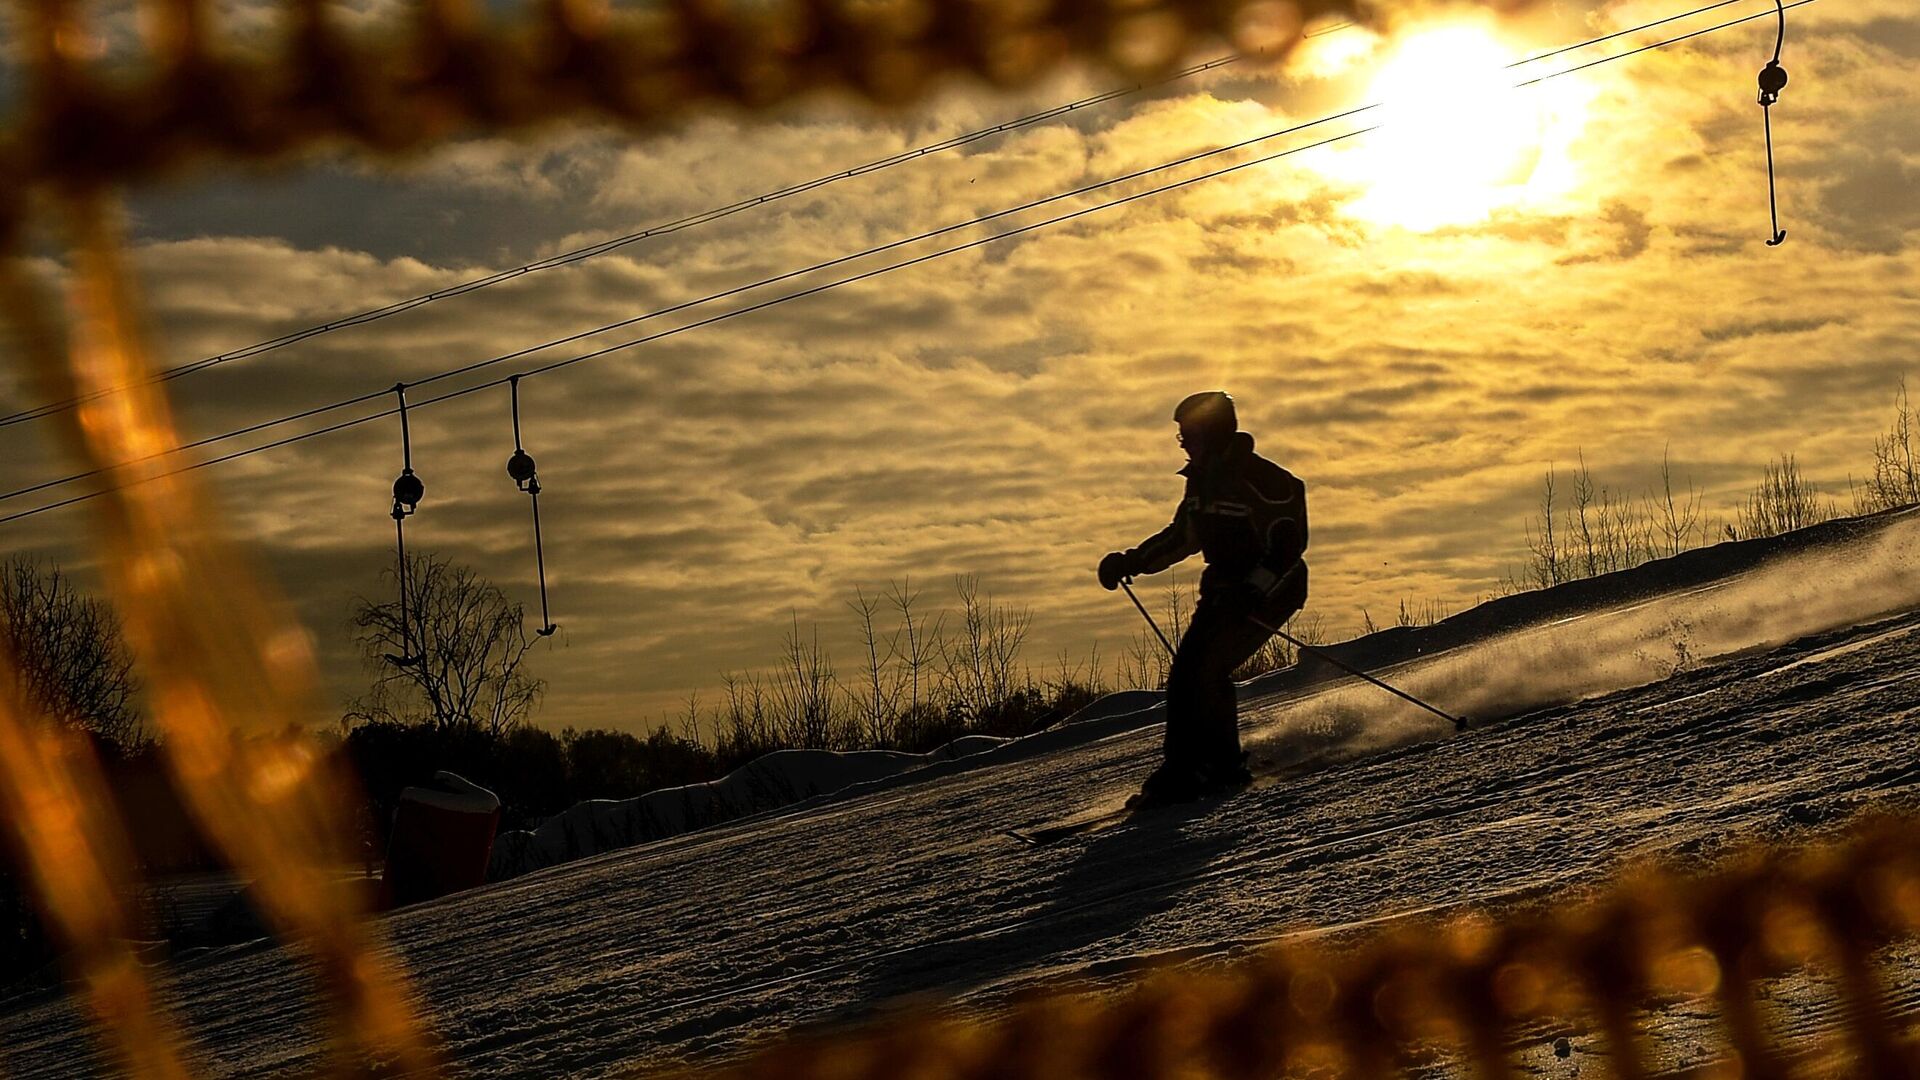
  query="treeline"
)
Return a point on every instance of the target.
[
  {"x": 449, "y": 688},
  {"x": 1585, "y": 527},
  {"x": 923, "y": 678}
]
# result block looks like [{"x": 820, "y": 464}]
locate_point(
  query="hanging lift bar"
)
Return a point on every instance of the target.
[
  {"x": 521, "y": 468},
  {"x": 1773, "y": 79},
  {"x": 407, "y": 493}
]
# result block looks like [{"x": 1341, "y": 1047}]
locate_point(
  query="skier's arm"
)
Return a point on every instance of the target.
[{"x": 1168, "y": 546}]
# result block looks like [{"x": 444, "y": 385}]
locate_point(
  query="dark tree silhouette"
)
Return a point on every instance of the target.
[
  {"x": 1896, "y": 465},
  {"x": 72, "y": 664},
  {"x": 1785, "y": 500},
  {"x": 68, "y": 653},
  {"x": 470, "y": 642}
]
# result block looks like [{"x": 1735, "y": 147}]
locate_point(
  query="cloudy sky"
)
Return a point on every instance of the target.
[{"x": 1417, "y": 321}]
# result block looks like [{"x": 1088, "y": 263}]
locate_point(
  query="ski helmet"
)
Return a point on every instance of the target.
[{"x": 1209, "y": 411}]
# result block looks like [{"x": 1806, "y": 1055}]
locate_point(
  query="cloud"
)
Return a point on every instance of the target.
[
  {"x": 1005, "y": 410},
  {"x": 1749, "y": 328},
  {"x": 1630, "y": 236}
]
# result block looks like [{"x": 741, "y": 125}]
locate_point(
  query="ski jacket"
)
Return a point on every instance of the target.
[{"x": 1248, "y": 518}]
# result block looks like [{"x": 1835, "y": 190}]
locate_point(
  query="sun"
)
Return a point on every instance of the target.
[{"x": 1457, "y": 140}]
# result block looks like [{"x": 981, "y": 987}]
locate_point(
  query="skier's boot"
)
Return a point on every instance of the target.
[
  {"x": 1169, "y": 784},
  {"x": 1225, "y": 776}
]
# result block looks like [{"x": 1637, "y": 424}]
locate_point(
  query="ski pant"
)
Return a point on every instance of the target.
[{"x": 1203, "y": 722}]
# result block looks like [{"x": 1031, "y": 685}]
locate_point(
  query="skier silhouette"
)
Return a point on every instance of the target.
[{"x": 1248, "y": 518}]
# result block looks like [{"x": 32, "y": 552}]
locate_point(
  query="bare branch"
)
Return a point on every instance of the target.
[
  {"x": 68, "y": 653},
  {"x": 472, "y": 643}
]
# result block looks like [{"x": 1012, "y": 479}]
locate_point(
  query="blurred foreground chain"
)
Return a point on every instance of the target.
[
  {"x": 230, "y": 683},
  {"x": 454, "y": 71},
  {"x": 1453, "y": 997}
]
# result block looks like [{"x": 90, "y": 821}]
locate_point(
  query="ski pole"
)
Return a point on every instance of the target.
[
  {"x": 1127, "y": 584},
  {"x": 1459, "y": 722}
]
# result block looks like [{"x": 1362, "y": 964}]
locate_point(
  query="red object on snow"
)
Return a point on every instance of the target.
[{"x": 442, "y": 838}]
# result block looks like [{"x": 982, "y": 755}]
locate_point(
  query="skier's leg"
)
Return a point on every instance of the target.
[
  {"x": 1239, "y": 637},
  {"x": 1179, "y": 775},
  {"x": 1236, "y": 639},
  {"x": 1186, "y": 696}
]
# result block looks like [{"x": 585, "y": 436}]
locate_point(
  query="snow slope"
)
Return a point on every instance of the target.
[{"x": 1701, "y": 713}]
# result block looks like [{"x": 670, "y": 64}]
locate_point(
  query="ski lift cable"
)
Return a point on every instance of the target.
[
  {"x": 732, "y": 313},
  {"x": 601, "y": 247},
  {"x": 368, "y": 418},
  {"x": 319, "y": 410},
  {"x": 493, "y": 361},
  {"x": 1781, "y": 7},
  {"x": 1537, "y": 57}
]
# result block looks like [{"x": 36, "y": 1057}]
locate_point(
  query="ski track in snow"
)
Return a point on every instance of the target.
[{"x": 706, "y": 946}]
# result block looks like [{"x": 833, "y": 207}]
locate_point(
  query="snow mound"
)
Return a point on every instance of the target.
[
  {"x": 1128, "y": 703},
  {"x": 769, "y": 782}
]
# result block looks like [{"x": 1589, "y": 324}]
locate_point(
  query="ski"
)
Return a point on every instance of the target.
[{"x": 1048, "y": 834}]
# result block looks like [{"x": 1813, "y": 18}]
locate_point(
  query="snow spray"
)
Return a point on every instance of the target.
[{"x": 1608, "y": 648}]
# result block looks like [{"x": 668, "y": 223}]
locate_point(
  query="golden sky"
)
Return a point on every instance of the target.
[{"x": 1417, "y": 321}]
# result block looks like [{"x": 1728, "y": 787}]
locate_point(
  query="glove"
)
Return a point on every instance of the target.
[
  {"x": 1258, "y": 587},
  {"x": 1115, "y": 568}
]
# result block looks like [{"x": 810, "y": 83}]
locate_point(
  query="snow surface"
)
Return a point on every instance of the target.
[{"x": 1703, "y": 712}]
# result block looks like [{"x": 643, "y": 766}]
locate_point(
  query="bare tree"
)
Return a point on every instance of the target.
[
  {"x": 924, "y": 641},
  {"x": 745, "y": 726},
  {"x": 1144, "y": 664},
  {"x": 68, "y": 652},
  {"x": 465, "y": 646},
  {"x": 1896, "y": 475},
  {"x": 981, "y": 659},
  {"x": 1177, "y": 605},
  {"x": 1088, "y": 676},
  {"x": 1602, "y": 530},
  {"x": 1584, "y": 521},
  {"x": 1629, "y": 530},
  {"x": 1544, "y": 543},
  {"x": 877, "y": 700},
  {"x": 1784, "y": 501},
  {"x": 803, "y": 693},
  {"x": 1415, "y": 613},
  {"x": 1675, "y": 517}
]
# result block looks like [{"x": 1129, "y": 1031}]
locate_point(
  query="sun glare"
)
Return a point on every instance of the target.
[{"x": 1457, "y": 141}]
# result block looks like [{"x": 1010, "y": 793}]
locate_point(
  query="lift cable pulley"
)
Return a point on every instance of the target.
[
  {"x": 407, "y": 493},
  {"x": 1773, "y": 79},
  {"x": 527, "y": 478}
]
